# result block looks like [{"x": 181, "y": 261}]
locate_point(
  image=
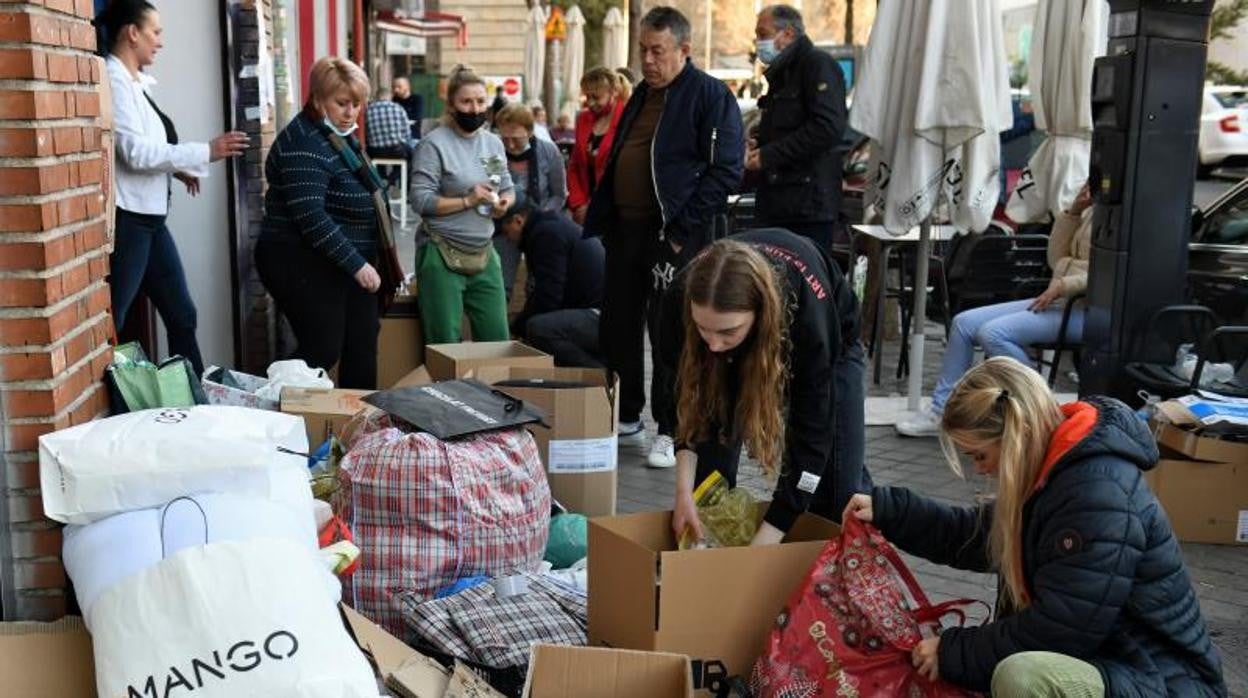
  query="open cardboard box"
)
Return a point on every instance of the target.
[
  {"x": 716, "y": 606},
  {"x": 450, "y": 361},
  {"x": 579, "y": 450},
  {"x": 324, "y": 412},
  {"x": 1202, "y": 483},
  {"x": 559, "y": 671}
]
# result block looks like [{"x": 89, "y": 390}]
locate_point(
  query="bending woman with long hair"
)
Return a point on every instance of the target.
[
  {"x": 764, "y": 332},
  {"x": 1094, "y": 596}
]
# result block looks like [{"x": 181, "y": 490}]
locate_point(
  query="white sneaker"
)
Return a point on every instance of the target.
[
  {"x": 924, "y": 423},
  {"x": 632, "y": 433},
  {"x": 662, "y": 452}
]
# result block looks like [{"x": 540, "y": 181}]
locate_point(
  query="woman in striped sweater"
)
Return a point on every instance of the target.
[{"x": 319, "y": 242}]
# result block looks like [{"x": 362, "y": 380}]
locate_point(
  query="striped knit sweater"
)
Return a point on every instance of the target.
[{"x": 315, "y": 200}]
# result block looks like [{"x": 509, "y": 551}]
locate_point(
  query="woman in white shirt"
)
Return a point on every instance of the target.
[{"x": 147, "y": 153}]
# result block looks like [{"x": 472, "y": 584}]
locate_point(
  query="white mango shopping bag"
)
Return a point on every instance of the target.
[
  {"x": 227, "y": 620},
  {"x": 143, "y": 459}
]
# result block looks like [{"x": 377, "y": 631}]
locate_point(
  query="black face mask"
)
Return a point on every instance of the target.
[{"x": 469, "y": 122}]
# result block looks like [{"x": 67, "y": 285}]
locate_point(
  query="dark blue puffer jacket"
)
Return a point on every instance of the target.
[{"x": 1105, "y": 576}]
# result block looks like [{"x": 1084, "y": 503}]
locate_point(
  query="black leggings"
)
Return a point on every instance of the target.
[{"x": 334, "y": 320}]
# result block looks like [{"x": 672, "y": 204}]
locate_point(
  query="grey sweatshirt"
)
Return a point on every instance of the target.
[{"x": 449, "y": 165}]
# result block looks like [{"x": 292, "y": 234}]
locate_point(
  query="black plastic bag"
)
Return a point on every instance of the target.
[{"x": 452, "y": 409}]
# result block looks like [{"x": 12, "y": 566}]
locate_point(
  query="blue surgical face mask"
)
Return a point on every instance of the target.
[
  {"x": 340, "y": 131},
  {"x": 766, "y": 50}
]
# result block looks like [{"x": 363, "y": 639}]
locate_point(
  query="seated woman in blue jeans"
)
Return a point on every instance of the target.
[{"x": 1007, "y": 329}]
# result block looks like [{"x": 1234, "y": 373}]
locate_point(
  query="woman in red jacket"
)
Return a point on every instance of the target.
[{"x": 605, "y": 92}]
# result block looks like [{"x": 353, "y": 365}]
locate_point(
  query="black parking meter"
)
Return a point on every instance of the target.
[{"x": 1146, "y": 98}]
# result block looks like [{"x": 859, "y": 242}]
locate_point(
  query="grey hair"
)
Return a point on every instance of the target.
[
  {"x": 669, "y": 18},
  {"x": 784, "y": 17}
]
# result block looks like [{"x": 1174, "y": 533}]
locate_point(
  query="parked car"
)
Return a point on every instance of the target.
[
  {"x": 1223, "y": 128},
  {"x": 1217, "y": 262}
]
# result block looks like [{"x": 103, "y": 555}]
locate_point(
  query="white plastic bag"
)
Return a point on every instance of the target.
[
  {"x": 102, "y": 554},
  {"x": 144, "y": 459},
  {"x": 293, "y": 373},
  {"x": 226, "y": 620}
]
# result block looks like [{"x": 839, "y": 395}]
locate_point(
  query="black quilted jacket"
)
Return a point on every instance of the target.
[{"x": 1106, "y": 579}]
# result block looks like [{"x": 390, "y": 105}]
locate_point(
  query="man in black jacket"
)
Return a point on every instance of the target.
[
  {"x": 676, "y": 157},
  {"x": 804, "y": 117},
  {"x": 560, "y": 315}
]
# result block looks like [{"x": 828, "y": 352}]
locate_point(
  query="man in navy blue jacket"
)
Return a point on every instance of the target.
[
  {"x": 565, "y": 270},
  {"x": 678, "y": 153}
]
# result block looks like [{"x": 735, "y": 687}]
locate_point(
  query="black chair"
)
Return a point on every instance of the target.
[
  {"x": 1158, "y": 346},
  {"x": 1060, "y": 345},
  {"x": 1225, "y": 345}
]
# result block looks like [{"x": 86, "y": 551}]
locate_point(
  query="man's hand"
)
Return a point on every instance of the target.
[
  {"x": 859, "y": 507},
  {"x": 191, "y": 182},
  {"x": 753, "y": 159},
  {"x": 578, "y": 214},
  {"x": 767, "y": 535},
  {"x": 926, "y": 658}
]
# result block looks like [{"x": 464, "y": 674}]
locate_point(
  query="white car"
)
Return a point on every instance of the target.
[{"x": 1223, "y": 127}]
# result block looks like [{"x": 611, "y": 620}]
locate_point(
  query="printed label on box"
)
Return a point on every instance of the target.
[
  {"x": 582, "y": 455},
  {"x": 1241, "y": 531}
]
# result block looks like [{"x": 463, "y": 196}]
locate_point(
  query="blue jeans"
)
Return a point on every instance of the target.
[
  {"x": 1003, "y": 329},
  {"x": 145, "y": 258}
]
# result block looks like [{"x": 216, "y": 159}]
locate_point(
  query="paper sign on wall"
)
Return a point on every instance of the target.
[
  {"x": 582, "y": 455},
  {"x": 1241, "y": 531}
]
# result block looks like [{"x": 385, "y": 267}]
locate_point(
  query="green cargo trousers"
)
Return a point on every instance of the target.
[{"x": 444, "y": 296}]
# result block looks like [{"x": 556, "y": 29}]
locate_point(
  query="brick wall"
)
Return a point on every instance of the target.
[
  {"x": 54, "y": 304},
  {"x": 260, "y": 339}
]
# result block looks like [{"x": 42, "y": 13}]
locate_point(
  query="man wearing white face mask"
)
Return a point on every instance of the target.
[{"x": 804, "y": 118}]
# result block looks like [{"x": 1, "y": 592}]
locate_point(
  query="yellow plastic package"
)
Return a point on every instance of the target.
[{"x": 727, "y": 515}]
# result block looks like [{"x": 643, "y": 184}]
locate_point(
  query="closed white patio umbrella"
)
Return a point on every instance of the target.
[
  {"x": 1069, "y": 36},
  {"x": 614, "y": 39},
  {"x": 575, "y": 66},
  {"x": 933, "y": 97},
  {"x": 534, "y": 52}
]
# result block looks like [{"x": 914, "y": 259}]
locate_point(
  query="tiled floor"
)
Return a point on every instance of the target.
[{"x": 1220, "y": 573}]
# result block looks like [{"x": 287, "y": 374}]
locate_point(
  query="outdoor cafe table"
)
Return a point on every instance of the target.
[{"x": 887, "y": 243}]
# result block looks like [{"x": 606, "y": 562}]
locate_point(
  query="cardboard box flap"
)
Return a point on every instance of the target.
[
  {"x": 1194, "y": 445},
  {"x": 651, "y": 530},
  {"x": 396, "y": 663},
  {"x": 49, "y": 660},
  {"x": 485, "y": 350},
  {"x": 418, "y": 376},
  {"x": 556, "y": 671},
  {"x": 633, "y": 612}
]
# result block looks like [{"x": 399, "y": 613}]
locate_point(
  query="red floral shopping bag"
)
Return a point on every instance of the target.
[{"x": 849, "y": 628}]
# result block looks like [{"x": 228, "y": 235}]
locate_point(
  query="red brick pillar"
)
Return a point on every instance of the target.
[{"x": 54, "y": 304}]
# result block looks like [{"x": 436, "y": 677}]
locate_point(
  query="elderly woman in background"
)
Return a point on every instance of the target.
[
  {"x": 537, "y": 170},
  {"x": 460, "y": 183},
  {"x": 319, "y": 243}
]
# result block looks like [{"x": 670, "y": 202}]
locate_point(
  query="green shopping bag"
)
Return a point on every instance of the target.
[{"x": 135, "y": 383}]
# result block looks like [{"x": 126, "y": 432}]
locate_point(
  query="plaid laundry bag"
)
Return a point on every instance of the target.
[
  {"x": 481, "y": 627},
  {"x": 426, "y": 512},
  {"x": 847, "y": 631}
]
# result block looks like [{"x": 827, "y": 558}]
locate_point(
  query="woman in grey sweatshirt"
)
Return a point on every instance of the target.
[{"x": 459, "y": 185}]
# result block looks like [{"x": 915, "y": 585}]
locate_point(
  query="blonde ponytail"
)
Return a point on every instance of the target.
[{"x": 1004, "y": 402}]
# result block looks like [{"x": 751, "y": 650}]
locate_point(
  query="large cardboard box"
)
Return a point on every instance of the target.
[
  {"x": 1205, "y": 502},
  {"x": 55, "y": 660},
  {"x": 323, "y": 411},
  {"x": 579, "y": 450},
  {"x": 559, "y": 671},
  {"x": 400, "y": 344},
  {"x": 450, "y": 361},
  {"x": 716, "y": 606}
]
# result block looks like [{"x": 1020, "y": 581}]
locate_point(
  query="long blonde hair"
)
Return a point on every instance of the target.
[
  {"x": 733, "y": 277},
  {"x": 1002, "y": 401}
]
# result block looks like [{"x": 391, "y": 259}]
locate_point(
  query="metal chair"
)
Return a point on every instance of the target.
[{"x": 1168, "y": 329}]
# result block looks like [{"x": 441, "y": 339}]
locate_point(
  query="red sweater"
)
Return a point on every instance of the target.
[{"x": 579, "y": 192}]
